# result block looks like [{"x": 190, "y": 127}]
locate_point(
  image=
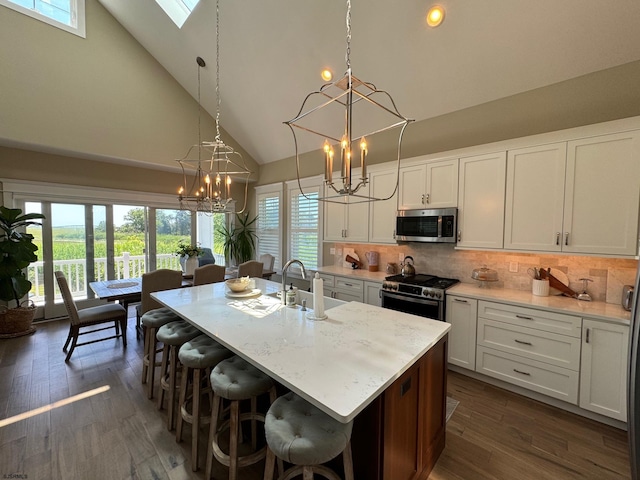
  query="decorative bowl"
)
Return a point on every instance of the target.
[{"x": 237, "y": 284}]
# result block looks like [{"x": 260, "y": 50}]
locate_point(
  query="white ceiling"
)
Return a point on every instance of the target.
[{"x": 272, "y": 52}]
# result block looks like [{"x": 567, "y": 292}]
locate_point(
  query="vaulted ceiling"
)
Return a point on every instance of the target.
[{"x": 272, "y": 52}]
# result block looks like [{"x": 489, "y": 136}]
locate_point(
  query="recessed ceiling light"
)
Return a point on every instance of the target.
[
  {"x": 435, "y": 16},
  {"x": 326, "y": 75}
]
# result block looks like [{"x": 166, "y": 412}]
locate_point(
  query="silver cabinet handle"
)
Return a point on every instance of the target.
[
  {"x": 458, "y": 300},
  {"x": 523, "y": 343},
  {"x": 459, "y": 235},
  {"x": 523, "y": 317},
  {"x": 394, "y": 233},
  {"x": 349, "y": 284},
  {"x": 566, "y": 238},
  {"x": 587, "y": 339},
  {"x": 557, "y": 238},
  {"x": 521, "y": 373},
  {"x": 427, "y": 198},
  {"x": 422, "y": 199}
]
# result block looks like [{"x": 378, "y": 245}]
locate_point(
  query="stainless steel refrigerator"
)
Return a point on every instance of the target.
[{"x": 633, "y": 406}]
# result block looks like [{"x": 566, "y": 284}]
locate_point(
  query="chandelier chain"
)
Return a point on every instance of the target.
[
  {"x": 199, "y": 115},
  {"x": 218, "y": 71},
  {"x": 348, "y": 20}
]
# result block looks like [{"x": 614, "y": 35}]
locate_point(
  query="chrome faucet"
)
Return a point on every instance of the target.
[{"x": 284, "y": 276}]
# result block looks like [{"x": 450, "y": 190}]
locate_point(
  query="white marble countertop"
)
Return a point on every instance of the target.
[
  {"x": 340, "y": 364},
  {"x": 556, "y": 303},
  {"x": 359, "y": 273}
]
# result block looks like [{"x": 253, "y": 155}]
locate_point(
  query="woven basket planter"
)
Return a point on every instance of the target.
[{"x": 15, "y": 322}]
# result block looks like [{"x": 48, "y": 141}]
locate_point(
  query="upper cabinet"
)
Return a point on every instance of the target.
[
  {"x": 346, "y": 222},
  {"x": 433, "y": 184},
  {"x": 481, "y": 200},
  {"x": 602, "y": 191},
  {"x": 382, "y": 214},
  {"x": 535, "y": 198},
  {"x": 578, "y": 197}
]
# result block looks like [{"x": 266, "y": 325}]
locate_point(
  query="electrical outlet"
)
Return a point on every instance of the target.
[
  {"x": 400, "y": 257},
  {"x": 513, "y": 267},
  {"x": 332, "y": 251}
]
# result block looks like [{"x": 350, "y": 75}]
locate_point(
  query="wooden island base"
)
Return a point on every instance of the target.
[{"x": 402, "y": 433}]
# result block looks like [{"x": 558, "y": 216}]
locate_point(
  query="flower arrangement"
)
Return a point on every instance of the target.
[{"x": 186, "y": 250}]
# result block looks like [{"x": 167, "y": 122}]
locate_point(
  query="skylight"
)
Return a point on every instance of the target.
[{"x": 178, "y": 10}]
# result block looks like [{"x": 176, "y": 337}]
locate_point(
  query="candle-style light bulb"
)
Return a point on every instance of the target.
[
  {"x": 343, "y": 160},
  {"x": 330, "y": 169},
  {"x": 363, "y": 156},
  {"x": 348, "y": 175},
  {"x": 218, "y": 180},
  {"x": 180, "y": 190},
  {"x": 326, "y": 149}
]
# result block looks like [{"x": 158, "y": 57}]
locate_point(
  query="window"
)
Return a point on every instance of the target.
[
  {"x": 304, "y": 222},
  {"x": 178, "y": 10},
  {"x": 67, "y": 15},
  {"x": 269, "y": 224}
]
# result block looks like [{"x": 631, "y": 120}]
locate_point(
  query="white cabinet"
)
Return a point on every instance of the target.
[
  {"x": 346, "y": 222},
  {"x": 603, "y": 376},
  {"x": 481, "y": 194},
  {"x": 577, "y": 197},
  {"x": 462, "y": 315},
  {"x": 535, "y": 198},
  {"x": 372, "y": 293},
  {"x": 534, "y": 349},
  {"x": 602, "y": 192},
  {"x": 433, "y": 184},
  {"x": 382, "y": 214},
  {"x": 343, "y": 288}
]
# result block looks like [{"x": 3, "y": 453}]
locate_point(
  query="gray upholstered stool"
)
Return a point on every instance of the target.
[
  {"x": 301, "y": 434},
  {"x": 173, "y": 335},
  {"x": 197, "y": 355},
  {"x": 234, "y": 379},
  {"x": 152, "y": 321}
]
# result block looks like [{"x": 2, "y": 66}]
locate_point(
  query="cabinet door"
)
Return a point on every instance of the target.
[
  {"x": 412, "y": 187},
  {"x": 462, "y": 314},
  {"x": 372, "y": 293},
  {"x": 382, "y": 214},
  {"x": 535, "y": 198},
  {"x": 357, "y": 222},
  {"x": 481, "y": 201},
  {"x": 601, "y": 195},
  {"x": 603, "y": 376},
  {"x": 442, "y": 184},
  {"x": 334, "y": 221}
]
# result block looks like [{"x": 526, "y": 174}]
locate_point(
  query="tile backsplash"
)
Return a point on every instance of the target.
[{"x": 608, "y": 274}]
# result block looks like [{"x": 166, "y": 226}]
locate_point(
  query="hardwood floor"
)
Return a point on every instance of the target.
[{"x": 119, "y": 434}]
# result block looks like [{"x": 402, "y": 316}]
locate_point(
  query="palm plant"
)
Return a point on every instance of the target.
[{"x": 240, "y": 241}]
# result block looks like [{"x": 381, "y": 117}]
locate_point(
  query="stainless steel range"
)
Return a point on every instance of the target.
[{"x": 422, "y": 295}]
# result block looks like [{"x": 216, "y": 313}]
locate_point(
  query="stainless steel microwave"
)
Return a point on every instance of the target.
[{"x": 434, "y": 225}]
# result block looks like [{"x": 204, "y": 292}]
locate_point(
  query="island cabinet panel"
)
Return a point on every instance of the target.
[{"x": 401, "y": 434}]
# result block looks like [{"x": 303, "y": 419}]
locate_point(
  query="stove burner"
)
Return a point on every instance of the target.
[
  {"x": 411, "y": 280},
  {"x": 418, "y": 285}
]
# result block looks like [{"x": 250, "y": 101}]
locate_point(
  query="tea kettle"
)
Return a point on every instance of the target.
[{"x": 408, "y": 270}]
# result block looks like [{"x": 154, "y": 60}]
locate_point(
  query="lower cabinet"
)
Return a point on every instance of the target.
[
  {"x": 462, "y": 314},
  {"x": 343, "y": 288},
  {"x": 402, "y": 433},
  {"x": 372, "y": 293},
  {"x": 603, "y": 376}
]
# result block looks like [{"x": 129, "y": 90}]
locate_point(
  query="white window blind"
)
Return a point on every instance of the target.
[
  {"x": 269, "y": 223},
  {"x": 304, "y": 226}
]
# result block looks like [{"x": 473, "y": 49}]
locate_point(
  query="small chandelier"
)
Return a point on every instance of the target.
[
  {"x": 216, "y": 163},
  {"x": 337, "y": 101}
]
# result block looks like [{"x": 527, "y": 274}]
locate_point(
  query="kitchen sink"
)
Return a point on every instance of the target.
[{"x": 308, "y": 296}]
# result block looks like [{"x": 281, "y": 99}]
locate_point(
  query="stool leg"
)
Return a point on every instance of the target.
[
  {"x": 195, "y": 416},
  {"x": 269, "y": 464},
  {"x": 215, "y": 413},
  {"x": 254, "y": 428},
  {"x": 163, "y": 372},
  {"x": 307, "y": 473},
  {"x": 184, "y": 382},
  {"x": 233, "y": 439},
  {"x": 348, "y": 462},
  {"x": 173, "y": 374},
  {"x": 146, "y": 358},
  {"x": 151, "y": 355}
]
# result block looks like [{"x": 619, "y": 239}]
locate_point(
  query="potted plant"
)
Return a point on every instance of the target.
[
  {"x": 239, "y": 241},
  {"x": 17, "y": 251},
  {"x": 188, "y": 256}
]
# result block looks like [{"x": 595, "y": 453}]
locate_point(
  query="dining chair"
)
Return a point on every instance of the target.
[
  {"x": 156, "y": 281},
  {"x": 208, "y": 274},
  {"x": 206, "y": 258},
  {"x": 252, "y": 268},
  {"x": 267, "y": 260},
  {"x": 89, "y": 317}
]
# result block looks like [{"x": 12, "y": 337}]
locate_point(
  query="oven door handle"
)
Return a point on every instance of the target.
[{"x": 407, "y": 298}]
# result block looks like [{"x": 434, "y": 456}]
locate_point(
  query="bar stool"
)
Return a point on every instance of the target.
[
  {"x": 202, "y": 353},
  {"x": 235, "y": 379},
  {"x": 303, "y": 435},
  {"x": 152, "y": 321},
  {"x": 173, "y": 335}
]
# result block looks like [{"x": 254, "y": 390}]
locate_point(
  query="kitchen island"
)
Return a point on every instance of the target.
[{"x": 385, "y": 369}]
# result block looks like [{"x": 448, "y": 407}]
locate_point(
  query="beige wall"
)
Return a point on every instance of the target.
[{"x": 598, "y": 97}]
